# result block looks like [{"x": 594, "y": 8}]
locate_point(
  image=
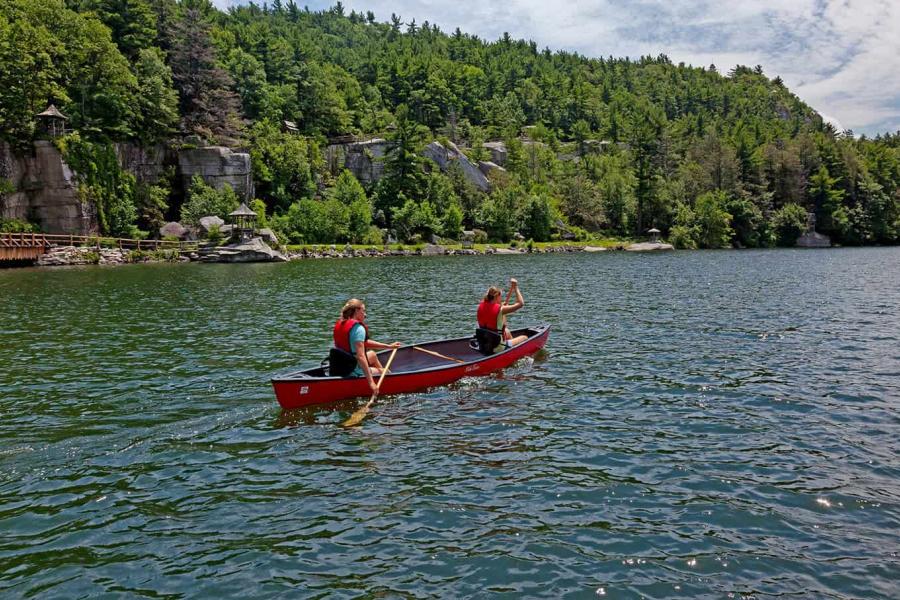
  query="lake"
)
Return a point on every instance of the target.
[{"x": 701, "y": 424}]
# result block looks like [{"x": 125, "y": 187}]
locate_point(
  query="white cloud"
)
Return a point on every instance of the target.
[{"x": 840, "y": 56}]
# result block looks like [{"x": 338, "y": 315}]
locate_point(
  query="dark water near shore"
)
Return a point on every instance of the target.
[{"x": 702, "y": 424}]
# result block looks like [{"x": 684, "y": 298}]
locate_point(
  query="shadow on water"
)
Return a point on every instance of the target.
[{"x": 319, "y": 414}]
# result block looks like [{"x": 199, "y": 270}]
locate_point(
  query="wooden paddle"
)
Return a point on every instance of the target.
[
  {"x": 505, "y": 318},
  {"x": 438, "y": 354},
  {"x": 357, "y": 417}
]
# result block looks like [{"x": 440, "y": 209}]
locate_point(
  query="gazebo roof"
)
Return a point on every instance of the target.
[
  {"x": 52, "y": 111},
  {"x": 654, "y": 230},
  {"x": 243, "y": 211}
]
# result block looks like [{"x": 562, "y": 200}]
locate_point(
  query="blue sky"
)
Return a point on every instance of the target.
[{"x": 842, "y": 57}]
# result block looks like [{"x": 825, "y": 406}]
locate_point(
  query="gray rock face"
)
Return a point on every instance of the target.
[
  {"x": 255, "y": 250},
  {"x": 649, "y": 247},
  {"x": 146, "y": 164},
  {"x": 173, "y": 229},
  {"x": 433, "y": 250},
  {"x": 218, "y": 166},
  {"x": 444, "y": 157},
  {"x": 207, "y": 223},
  {"x": 488, "y": 167},
  {"x": 268, "y": 236},
  {"x": 46, "y": 191},
  {"x": 364, "y": 159},
  {"x": 813, "y": 239},
  {"x": 499, "y": 154}
]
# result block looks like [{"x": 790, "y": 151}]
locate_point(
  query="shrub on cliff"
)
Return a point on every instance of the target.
[{"x": 204, "y": 200}]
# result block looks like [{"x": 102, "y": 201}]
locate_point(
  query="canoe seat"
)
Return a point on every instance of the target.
[
  {"x": 485, "y": 341},
  {"x": 340, "y": 363}
]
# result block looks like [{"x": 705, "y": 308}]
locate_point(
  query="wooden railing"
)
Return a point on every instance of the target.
[{"x": 24, "y": 246}]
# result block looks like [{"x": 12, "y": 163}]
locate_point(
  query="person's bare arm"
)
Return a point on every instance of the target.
[{"x": 520, "y": 300}]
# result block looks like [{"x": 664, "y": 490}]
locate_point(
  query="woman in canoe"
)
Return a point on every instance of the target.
[
  {"x": 351, "y": 339},
  {"x": 492, "y": 316}
]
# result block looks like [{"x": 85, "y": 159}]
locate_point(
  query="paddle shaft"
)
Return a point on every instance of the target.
[
  {"x": 438, "y": 354},
  {"x": 360, "y": 414},
  {"x": 383, "y": 373}
]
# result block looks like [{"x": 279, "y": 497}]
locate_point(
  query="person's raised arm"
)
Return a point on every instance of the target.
[{"x": 520, "y": 301}]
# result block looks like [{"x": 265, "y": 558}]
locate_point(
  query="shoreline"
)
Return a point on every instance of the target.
[{"x": 63, "y": 256}]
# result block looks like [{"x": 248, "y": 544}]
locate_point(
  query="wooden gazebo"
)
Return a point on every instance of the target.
[
  {"x": 52, "y": 121},
  {"x": 244, "y": 222}
]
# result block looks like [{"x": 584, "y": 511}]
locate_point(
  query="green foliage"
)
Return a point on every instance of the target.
[
  {"x": 103, "y": 183},
  {"x": 500, "y": 214},
  {"x": 315, "y": 222},
  {"x": 284, "y": 165},
  {"x": 789, "y": 222},
  {"x": 157, "y": 100},
  {"x": 259, "y": 207},
  {"x": 350, "y": 193},
  {"x": 48, "y": 52},
  {"x": 152, "y": 203},
  {"x": 416, "y": 219},
  {"x": 452, "y": 221},
  {"x": 214, "y": 235},
  {"x": 666, "y": 135},
  {"x": 17, "y": 226},
  {"x": 204, "y": 200},
  {"x": 403, "y": 176},
  {"x": 615, "y": 185},
  {"x": 712, "y": 220},
  {"x": 537, "y": 217}
]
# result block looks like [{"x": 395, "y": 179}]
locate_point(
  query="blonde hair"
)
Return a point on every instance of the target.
[
  {"x": 493, "y": 292},
  {"x": 350, "y": 307}
]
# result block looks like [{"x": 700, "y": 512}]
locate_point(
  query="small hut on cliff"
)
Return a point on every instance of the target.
[{"x": 52, "y": 121}]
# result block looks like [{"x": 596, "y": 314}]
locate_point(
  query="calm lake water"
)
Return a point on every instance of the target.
[{"x": 701, "y": 424}]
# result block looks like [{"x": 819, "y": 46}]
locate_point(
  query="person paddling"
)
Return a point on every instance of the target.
[
  {"x": 351, "y": 340},
  {"x": 492, "y": 318}
]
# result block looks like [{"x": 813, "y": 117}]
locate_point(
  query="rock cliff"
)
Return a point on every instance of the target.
[{"x": 45, "y": 189}]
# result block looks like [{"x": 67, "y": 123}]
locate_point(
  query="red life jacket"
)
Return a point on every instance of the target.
[
  {"x": 487, "y": 315},
  {"x": 341, "y": 334}
]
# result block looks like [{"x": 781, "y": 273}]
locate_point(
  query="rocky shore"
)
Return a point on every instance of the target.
[{"x": 78, "y": 255}]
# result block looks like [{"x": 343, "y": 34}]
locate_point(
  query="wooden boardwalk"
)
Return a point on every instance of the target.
[{"x": 30, "y": 246}]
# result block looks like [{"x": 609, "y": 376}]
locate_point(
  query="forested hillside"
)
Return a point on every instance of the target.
[{"x": 596, "y": 146}]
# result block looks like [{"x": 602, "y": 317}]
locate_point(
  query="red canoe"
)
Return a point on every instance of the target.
[{"x": 412, "y": 370}]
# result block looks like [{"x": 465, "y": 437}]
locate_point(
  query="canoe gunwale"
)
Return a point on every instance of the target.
[
  {"x": 299, "y": 389},
  {"x": 298, "y": 376}
]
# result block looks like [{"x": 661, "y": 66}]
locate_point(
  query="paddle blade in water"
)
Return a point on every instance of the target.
[{"x": 357, "y": 417}]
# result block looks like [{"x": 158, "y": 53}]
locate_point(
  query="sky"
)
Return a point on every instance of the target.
[{"x": 842, "y": 57}]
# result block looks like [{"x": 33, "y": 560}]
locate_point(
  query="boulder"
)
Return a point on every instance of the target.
[
  {"x": 433, "y": 250},
  {"x": 813, "y": 239},
  {"x": 499, "y": 154},
  {"x": 444, "y": 157},
  {"x": 207, "y": 223},
  {"x": 268, "y": 236},
  {"x": 255, "y": 250},
  {"x": 173, "y": 229},
  {"x": 594, "y": 249},
  {"x": 649, "y": 247},
  {"x": 488, "y": 167}
]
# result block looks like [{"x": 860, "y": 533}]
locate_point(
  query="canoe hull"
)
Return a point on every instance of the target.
[{"x": 306, "y": 388}]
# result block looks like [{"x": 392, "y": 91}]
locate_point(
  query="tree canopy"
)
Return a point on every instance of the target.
[{"x": 608, "y": 145}]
